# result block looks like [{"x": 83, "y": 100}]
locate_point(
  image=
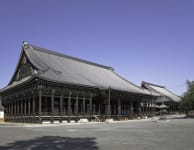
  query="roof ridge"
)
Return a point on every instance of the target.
[
  {"x": 172, "y": 93},
  {"x": 143, "y": 82},
  {"x": 52, "y": 52}
]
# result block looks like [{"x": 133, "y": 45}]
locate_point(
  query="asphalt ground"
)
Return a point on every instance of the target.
[{"x": 173, "y": 134}]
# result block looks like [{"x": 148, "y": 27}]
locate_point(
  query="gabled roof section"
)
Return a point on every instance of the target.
[
  {"x": 61, "y": 68},
  {"x": 17, "y": 83},
  {"x": 23, "y": 69},
  {"x": 161, "y": 90}
]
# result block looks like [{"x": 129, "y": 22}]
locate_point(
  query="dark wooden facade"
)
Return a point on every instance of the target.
[{"x": 43, "y": 101}]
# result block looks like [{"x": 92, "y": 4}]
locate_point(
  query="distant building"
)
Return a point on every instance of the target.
[{"x": 166, "y": 97}]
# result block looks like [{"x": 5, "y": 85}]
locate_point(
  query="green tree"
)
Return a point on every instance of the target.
[{"x": 187, "y": 102}]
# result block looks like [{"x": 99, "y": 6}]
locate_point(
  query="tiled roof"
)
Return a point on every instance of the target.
[
  {"x": 57, "y": 67},
  {"x": 162, "y": 91}
]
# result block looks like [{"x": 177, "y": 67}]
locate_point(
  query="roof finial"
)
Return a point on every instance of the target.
[{"x": 24, "y": 43}]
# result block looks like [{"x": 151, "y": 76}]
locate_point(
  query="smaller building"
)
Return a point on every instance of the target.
[
  {"x": 1, "y": 112},
  {"x": 166, "y": 98}
]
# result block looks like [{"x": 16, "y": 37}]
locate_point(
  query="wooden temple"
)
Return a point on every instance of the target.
[{"x": 49, "y": 86}]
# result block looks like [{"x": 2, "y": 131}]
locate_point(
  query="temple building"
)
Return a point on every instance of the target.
[
  {"x": 166, "y": 98},
  {"x": 49, "y": 86}
]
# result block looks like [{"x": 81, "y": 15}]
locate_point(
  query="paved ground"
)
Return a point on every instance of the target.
[{"x": 174, "y": 134}]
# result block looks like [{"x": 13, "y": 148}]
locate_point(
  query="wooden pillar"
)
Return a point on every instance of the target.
[
  {"x": 29, "y": 106},
  {"x": 87, "y": 108},
  {"x": 152, "y": 107},
  {"x": 108, "y": 110},
  {"x": 146, "y": 108},
  {"x": 90, "y": 104},
  {"x": 76, "y": 105},
  {"x": 52, "y": 106},
  {"x": 14, "y": 108},
  {"x": 11, "y": 109},
  {"x": 143, "y": 108},
  {"x": 115, "y": 109},
  {"x": 7, "y": 108},
  {"x": 84, "y": 106},
  {"x": 61, "y": 104},
  {"x": 17, "y": 107},
  {"x": 52, "y": 103},
  {"x": 119, "y": 107},
  {"x": 24, "y": 106},
  {"x": 139, "y": 108},
  {"x": 128, "y": 109},
  {"x": 39, "y": 103},
  {"x": 33, "y": 105},
  {"x": 21, "y": 107},
  {"x": 131, "y": 108},
  {"x": 99, "y": 109},
  {"x": 69, "y": 105},
  {"x": 124, "y": 109},
  {"x": 149, "y": 107},
  {"x": 94, "y": 109}
]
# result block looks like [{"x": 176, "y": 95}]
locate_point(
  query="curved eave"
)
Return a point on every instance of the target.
[
  {"x": 86, "y": 86},
  {"x": 64, "y": 83},
  {"x": 17, "y": 84},
  {"x": 141, "y": 91}
]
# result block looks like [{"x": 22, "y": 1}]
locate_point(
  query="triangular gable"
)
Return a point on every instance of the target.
[{"x": 23, "y": 69}]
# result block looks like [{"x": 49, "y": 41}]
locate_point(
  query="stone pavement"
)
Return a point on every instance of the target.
[{"x": 173, "y": 134}]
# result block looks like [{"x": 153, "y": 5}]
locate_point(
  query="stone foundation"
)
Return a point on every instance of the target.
[{"x": 1, "y": 120}]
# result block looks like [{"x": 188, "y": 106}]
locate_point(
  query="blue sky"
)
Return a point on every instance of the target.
[{"x": 143, "y": 40}]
